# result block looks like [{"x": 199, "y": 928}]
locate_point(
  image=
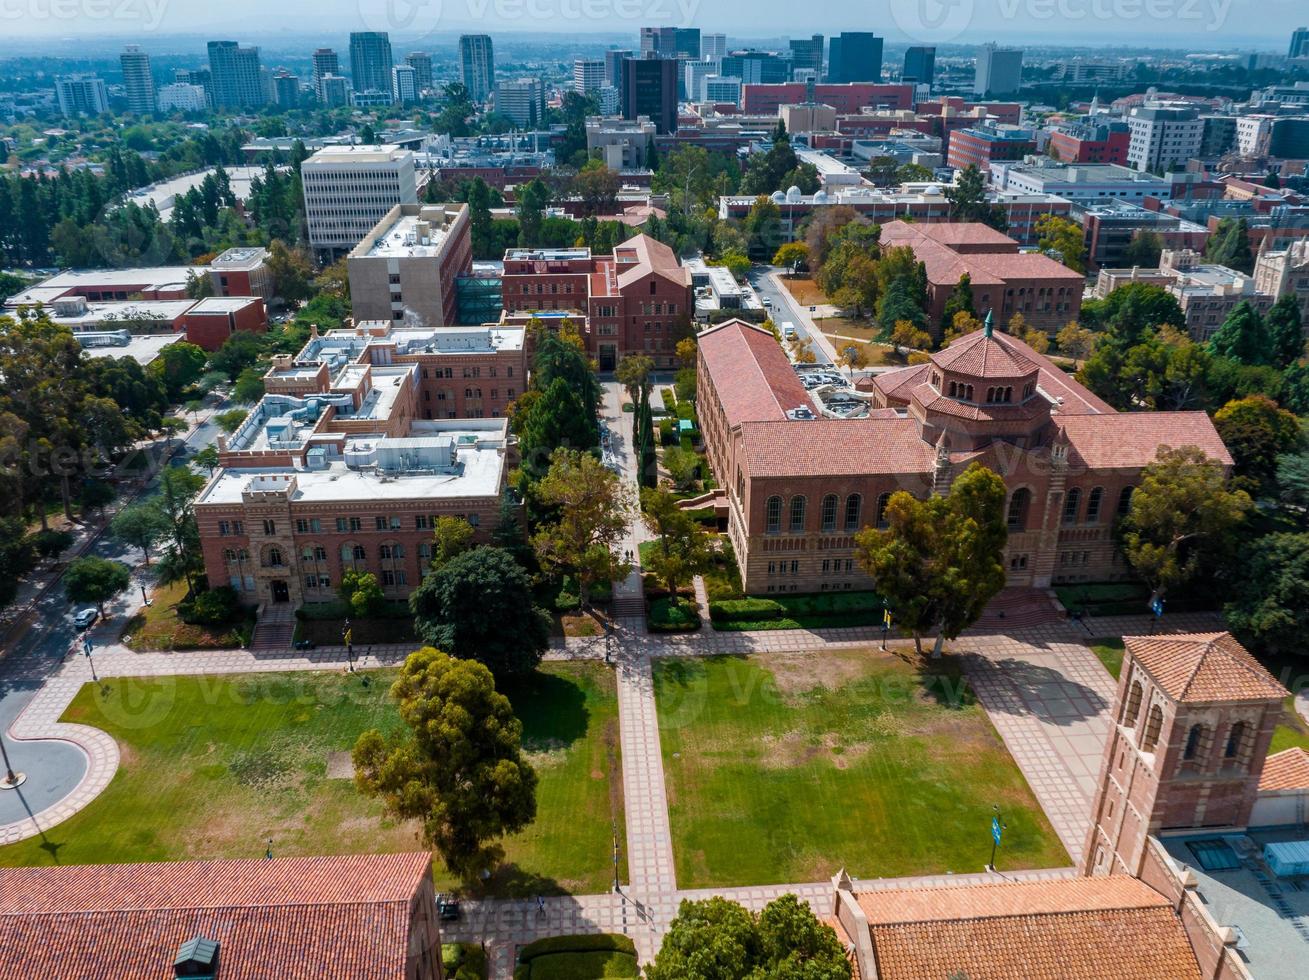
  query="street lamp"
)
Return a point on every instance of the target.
[
  {"x": 998, "y": 827},
  {"x": 13, "y": 780}
]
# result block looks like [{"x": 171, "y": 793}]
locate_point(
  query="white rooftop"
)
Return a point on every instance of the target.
[
  {"x": 406, "y": 239},
  {"x": 338, "y": 155},
  {"x": 223, "y": 304}
]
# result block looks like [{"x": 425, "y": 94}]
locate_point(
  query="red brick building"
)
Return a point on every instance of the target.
[
  {"x": 636, "y": 301},
  {"x": 1103, "y": 144},
  {"x": 367, "y": 917},
  {"x": 850, "y": 97},
  {"x": 981, "y": 146},
  {"x": 797, "y": 486},
  {"x": 212, "y": 320},
  {"x": 1007, "y": 281},
  {"x": 242, "y": 271}
]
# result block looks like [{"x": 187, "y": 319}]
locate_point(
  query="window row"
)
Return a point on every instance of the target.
[{"x": 850, "y": 515}]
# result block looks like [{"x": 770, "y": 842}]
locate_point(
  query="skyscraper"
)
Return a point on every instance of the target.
[
  {"x": 140, "y": 84},
  {"x": 671, "y": 42},
  {"x": 325, "y": 63},
  {"x": 421, "y": 62},
  {"x": 614, "y": 67},
  {"x": 371, "y": 61},
  {"x": 286, "y": 89},
  {"x": 999, "y": 70},
  {"x": 1299, "y": 43},
  {"x": 713, "y": 47},
  {"x": 807, "y": 54},
  {"x": 404, "y": 84},
  {"x": 649, "y": 88},
  {"x": 235, "y": 79},
  {"x": 81, "y": 95},
  {"x": 522, "y": 100},
  {"x": 856, "y": 56},
  {"x": 588, "y": 75},
  {"x": 477, "y": 56},
  {"x": 919, "y": 65}
]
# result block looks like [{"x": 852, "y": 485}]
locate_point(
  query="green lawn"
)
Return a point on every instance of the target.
[
  {"x": 1110, "y": 652},
  {"x": 212, "y": 767},
  {"x": 786, "y": 767}
]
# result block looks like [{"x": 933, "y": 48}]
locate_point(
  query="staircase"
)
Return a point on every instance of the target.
[
  {"x": 274, "y": 629},
  {"x": 1018, "y": 608},
  {"x": 628, "y": 605}
]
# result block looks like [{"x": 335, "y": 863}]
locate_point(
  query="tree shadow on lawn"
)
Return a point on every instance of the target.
[
  {"x": 552, "y": 708},
  {"x": 1040, "y": 691},
  {"x": 512, "y": 880}
]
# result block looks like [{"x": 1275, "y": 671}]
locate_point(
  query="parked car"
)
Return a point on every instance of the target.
[
  {"x": 85, "y": 617},
  {"x": 447, "y": 907}
]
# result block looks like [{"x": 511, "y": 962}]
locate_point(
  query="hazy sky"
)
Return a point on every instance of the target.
[{"x": 1184, "y": 23}]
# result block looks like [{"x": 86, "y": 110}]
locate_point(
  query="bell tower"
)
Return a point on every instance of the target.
[{"x": 1193, "y": 719}]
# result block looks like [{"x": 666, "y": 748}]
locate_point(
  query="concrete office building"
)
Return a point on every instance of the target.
[
  {"x": 614, "y": 67},
  {"x": 522, "y": 100},
  {"x": 919, "y": 65},
  {"x": 404, "y": 84},
  {"x": 286, "y": 89},
  {"x": 588, "y": 75},
  {"x": 349, "y": 189},
  {"x": 999, "y": 70},
  {"x": 336, "y": 90},
  {"x": 406, "y": 266},
  {"x": 371, "y": 61},
  {"x": 713, "y": 47},
  {"x": 1163, "y": 137},
  {"x": 693, "y": 75},
  {"x": 421, "y": 63},
  {"x": 142, "y": 98},
  {"x": 235, "y": 76},
  {"x": 1299, "y": 43},
  {"x": 81, "y": 95},
  {"x": 670, "y": 42},
  {"x": 622, "y": 144},
  {"x": 855, "y": 56},
  {"x": 1082, "y": 183},
  {"x": 182, "y": 97},
  {"x": 649, "y": 88},
  {"x": 477, "y": 61},
  {"x": 720, "y": 90},
  {"x": 325, "y": 62},
  {"x": 807, "y": 55}
]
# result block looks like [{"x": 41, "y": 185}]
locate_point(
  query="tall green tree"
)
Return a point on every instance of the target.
[
  {"x": 142, "y": 525},
  {"x": 968, "y": 200},
  {"x": 1268, "y": 604},
  {"x": 1243, "y": 336},
  {"x": 97, "y": 580},
  {"x": 682, "y": 546},
  {"x": 960, "y": 300},
  {"x": 1256, "y": 432},
  {"x": 939, "y": 561},
  {"x": 1286, "y": 337},
  {"x": 458, "y": 766},
  {"x": 532, "y": 200}
]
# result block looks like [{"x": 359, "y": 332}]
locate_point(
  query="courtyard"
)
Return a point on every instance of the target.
[
  {"x": 786, "y": 767},
  {"x": 231, "y": 766}
]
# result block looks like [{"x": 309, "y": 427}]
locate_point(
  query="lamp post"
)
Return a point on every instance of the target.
[
  {"x": 998, "y": 828},
  {"x": 87, "y": 647},
  {"x": 13, "y": 780}
]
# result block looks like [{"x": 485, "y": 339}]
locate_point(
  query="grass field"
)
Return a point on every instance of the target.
[
  {"x": 157, "y": 627},
  {"x": 215, "y": 766},
  {"x": 1110, "y": 653},
  {"x": 786, "y": 767}
]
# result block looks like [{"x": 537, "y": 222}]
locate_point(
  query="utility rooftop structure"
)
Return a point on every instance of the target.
[{"x": 409, "y": 262}]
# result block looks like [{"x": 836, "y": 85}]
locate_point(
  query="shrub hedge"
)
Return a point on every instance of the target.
[
  {"x": 673, "y": 616},
  {"x": 585, "y": 943}
]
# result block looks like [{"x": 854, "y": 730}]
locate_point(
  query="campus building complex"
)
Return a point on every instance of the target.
[
  {"x": 797, "y": 484},
  {"x": 407, "y": 265}
]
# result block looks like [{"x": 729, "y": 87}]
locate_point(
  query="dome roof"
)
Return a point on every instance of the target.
[
  {"x": 778, "y": 197},
  {"x": 793, "y": 194},
  {"x": 821, "y": 197}
]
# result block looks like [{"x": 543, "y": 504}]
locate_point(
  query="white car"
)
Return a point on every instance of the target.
[{"x": 85, "y": 617}]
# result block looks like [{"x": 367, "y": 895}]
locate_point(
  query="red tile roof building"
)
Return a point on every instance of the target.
[
  {"x": 1046, "y": 293},
  {"x": 797, "y": 485},
  {"x": 367, "y": 917},
  {"x": 636, "y": 301}
]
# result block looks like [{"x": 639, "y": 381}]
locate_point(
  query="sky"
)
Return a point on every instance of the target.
[{"x": 1199, "y": 24}]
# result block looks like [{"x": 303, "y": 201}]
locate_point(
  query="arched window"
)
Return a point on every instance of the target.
[
  {"x": 1234, "y": 738},
  {"x": 829, "y": 512},
  {"x": 351, "y": 553},
  {"x": 229, "y": 555},
  {"x": 1125, "y": 501},
  {"x": 1093, "y": 505},
  {"x": 1153, "y": 725},
  {"x": 1193, "y": 742},
  {"x": 773, "y": 515},
  {"x": 1133, "y": 705},
  {"x": 882, "y": 501},
  {"x": 797, "y": 513},
  {"x": 273, "y": 557},
  {"x": 1019, "y": 504},
  {"x": 853, "y": 505},
  {"x": 1072, "y": 504}
]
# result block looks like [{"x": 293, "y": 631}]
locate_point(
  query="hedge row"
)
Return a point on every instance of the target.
[
  {"x": 754, "y": 610},
  {"x": 585, "y": 943}
]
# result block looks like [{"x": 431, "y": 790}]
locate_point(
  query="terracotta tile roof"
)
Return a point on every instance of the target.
[
  {"x": 1071, "y": 929},
  {"x": 900, "y": 383},
  {"x": 289, "y": 918},
  {"x": 650, "y": 256},
  {"x": 1126, "y": 440},
  {"x": 751, "y": 373},
  {"x": 1286, "y": 770},
  {"x": 836, "y": 447},
  {"x": 980, "y": 356},
  {"x": 935, "y": 245},
  {"x": 1203, "y": 667},
  {"x": 948, "y": 233}
]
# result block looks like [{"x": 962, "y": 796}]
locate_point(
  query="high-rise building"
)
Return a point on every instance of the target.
[
  {"x": 81, "y": 95},
  {"x": 588, "y": 75},
  {"x": 286, "y": 89},
  {"x": 718, "y": 90},
  {"x": 807, "y": 55},
  {"x": 1299, "y": 43},
  {"x": 649, "y": 88},
  {"x": 371, "y": 61},
  {"x": 235, "y": 79},
  {"x": 713, "y": 47},
  {"x": 671, "y": 42},
  {"x": 421, "y": 62},
  {"x": 1163, "y": 137},
  {"x": 138, "y": 81},
  {"x": 856, "y": 56},
  {"x": 522, "y": 100},
  {"x": 404, "y": 84},
  {"x": 325, "y": 63},
  {"x": 999, "y": 70},
  {"x": 182, "y": 96},
  {"x": 334, "y": 90},
  {"x": 477, "y": 57},
  {"x": 756, "y": 67},
  {"x": 693, "y": 75},
  {"x": 202, "y": 77},
  {"x": 919, "y": 65},
  {"x": 349, "y": 189},
  {"x": 614, "y": 67}
]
